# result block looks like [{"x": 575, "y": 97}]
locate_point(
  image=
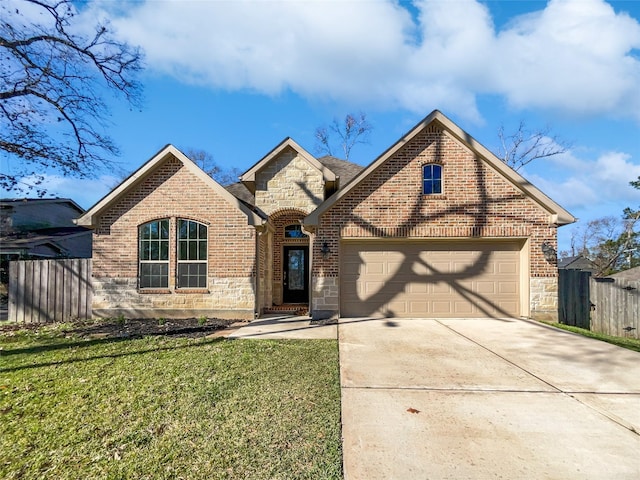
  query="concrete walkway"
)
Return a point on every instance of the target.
[
  {"x": 286, "y": 327},
  {"x": 487, "y": 398}
]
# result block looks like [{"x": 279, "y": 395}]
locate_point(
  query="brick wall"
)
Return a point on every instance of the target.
[
  {"x": 476, "y": 202},
  {"x": 173, "y": 192},
  {"x": 265, "y": 272}
]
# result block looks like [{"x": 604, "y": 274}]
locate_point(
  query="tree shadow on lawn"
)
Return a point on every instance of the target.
[
  {"x": 115, "y": 333},
  {"x": 96, "y": 357}
]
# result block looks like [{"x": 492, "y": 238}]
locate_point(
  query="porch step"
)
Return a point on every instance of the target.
[{"x": 289, "y": 309}]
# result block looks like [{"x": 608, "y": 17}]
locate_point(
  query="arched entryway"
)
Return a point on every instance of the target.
[{"x": 291, "y": 260}]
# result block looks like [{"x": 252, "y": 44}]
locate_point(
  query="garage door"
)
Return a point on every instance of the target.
[{"x": 430, "y": 279}]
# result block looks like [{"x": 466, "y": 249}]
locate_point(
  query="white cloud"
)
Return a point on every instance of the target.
[
  {"x": 574, "y": 56},
  {"x": 593, "y": 184}
]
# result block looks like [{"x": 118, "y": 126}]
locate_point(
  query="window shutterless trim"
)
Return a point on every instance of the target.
[
  {"x": 185, "y": 290},
  {"x": 154, "y": 233},
  {"x": 201, "y": 279},
  {"x": 432, "y": 179}
]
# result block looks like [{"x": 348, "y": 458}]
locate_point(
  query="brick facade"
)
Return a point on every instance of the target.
[
  {"x": 477, "y": 202},
  {"x": 265, "y": 269},
  {"x": 173, "y": 192}
]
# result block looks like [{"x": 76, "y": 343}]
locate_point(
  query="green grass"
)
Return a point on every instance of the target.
[
  {"x": 161, "y": 407},
  {"x": 630, "y": 343}
]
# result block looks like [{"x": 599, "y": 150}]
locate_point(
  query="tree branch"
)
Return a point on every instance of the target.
[{"x": 51, "y": 78}]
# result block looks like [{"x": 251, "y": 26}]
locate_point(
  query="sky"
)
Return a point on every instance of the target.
[{"x": 234, "y": 78}]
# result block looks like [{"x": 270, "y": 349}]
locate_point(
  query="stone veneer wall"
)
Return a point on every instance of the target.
[
  {"x": 289, "y": 181},
  {"x": 477, "y": 202},
  {"x": 230, "y": 298},
  {"x": 325, "y": 296},
  {"x": 172, "y": 191},
  {"x": 544, "y": 298}
]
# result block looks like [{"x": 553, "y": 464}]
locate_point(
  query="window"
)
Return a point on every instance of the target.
[
  {"x": 431, "y": 179},
  {"x": 191, "y": 245},
  {"x": 293, "y": 231},
  {"x": 154, "y": 254},
  {"x": 192, "y": 254}
]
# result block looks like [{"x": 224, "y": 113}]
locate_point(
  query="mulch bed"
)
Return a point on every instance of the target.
[{"x": 133, "y": 327}]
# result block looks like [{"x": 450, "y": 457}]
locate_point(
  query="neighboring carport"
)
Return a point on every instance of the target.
[{"x": 485, "y": 398}]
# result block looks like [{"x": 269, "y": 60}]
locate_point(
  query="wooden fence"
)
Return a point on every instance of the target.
[
  {"x": 605, "y": 305},
  {"x": 574, "y": 304},
  {"x": 43, "y": 291},
  {"x": 616, "y": 308}
]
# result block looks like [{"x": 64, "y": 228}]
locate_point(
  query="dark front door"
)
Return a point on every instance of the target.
[{"x": 295, "y": 277}]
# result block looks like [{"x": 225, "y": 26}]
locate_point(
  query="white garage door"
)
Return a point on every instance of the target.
[{"x": 430, "y": 279}]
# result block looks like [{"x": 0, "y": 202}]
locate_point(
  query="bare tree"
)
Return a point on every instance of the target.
[
  {"x": 355, "y": 129},
  {"x": 208, "y": 164},
  {"x": 611, "y": 243},
  {"x": 53, "y": 115},
  {"x": 227, "y": 176},
  {"x": 524, "y": 146},
  {"x": 204, "y": 160}
]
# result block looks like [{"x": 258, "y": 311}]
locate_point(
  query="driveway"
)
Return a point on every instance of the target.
[{"x": 485, "y": 398}]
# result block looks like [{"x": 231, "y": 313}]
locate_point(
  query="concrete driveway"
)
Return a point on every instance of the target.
[{"x": 485, "y": 398}]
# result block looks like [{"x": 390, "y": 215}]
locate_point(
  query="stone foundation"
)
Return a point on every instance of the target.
[
  {"x": 232, "y": 298},
  {"x": 326, "y": 300},
  {"x": 544, "y": 298}
]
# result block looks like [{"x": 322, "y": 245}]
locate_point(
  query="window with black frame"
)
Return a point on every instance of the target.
[
  {"x": 154, "y": 254},
  {"x": 192, "y": 254}
]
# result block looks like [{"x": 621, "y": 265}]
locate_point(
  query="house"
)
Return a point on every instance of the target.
[
  {"x": 41, "y": 228},
  {"x": 577, "y": 262},
  {"x": 436, "y": 226}
]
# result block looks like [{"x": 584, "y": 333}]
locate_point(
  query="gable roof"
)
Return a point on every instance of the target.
[
  {"x": 137, "y": 177},
  {"x": 18, "y": 202},
  {"x": 343, "y": 169},
  {"x": 249, "y": 177},
  {"x": 239, "y": 190},
  {"x": 578, "y": 262},
  {"x": 557, "y": 214}
]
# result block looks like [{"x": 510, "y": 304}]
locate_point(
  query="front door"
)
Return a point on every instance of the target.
[{"x": 295, "y": 277}]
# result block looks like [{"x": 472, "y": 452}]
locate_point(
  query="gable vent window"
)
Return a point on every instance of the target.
[
  {"x": 431, "y": 179},
  {"x": 293, "y": 231},
  {"x": 192, "y": 254},
  {"x": 154, "y": 254}
]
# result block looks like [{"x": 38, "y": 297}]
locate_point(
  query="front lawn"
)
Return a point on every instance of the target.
[
  {"x": 624, "y": 342},
  {"x": 164, "y": 407}
]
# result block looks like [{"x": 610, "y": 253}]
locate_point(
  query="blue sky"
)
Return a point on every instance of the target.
[{"x": 236, "y": 77}]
